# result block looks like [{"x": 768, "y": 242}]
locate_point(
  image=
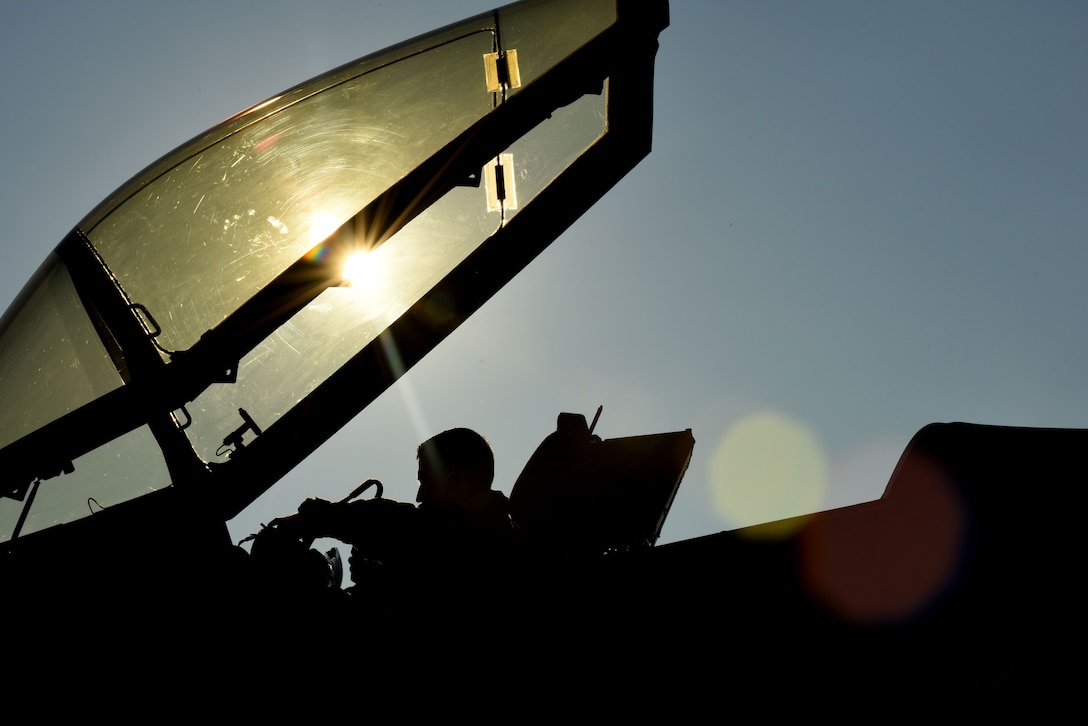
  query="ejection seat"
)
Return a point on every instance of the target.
[{"x": 581, "y": 495}]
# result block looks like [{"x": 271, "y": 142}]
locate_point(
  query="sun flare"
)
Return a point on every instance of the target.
[{"x": 361, "y": 269}]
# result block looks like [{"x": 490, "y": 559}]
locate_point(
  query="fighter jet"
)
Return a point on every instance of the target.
[{"x": 221, "y": 315}]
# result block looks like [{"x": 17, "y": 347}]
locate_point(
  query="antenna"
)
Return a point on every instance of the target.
[{"x": 595, "y": 417}]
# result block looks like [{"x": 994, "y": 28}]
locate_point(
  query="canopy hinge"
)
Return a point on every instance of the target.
[
  {"x": 499, "y": 177},
  {"x": 501, "y": 70}
]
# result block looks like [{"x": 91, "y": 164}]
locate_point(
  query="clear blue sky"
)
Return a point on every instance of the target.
[{"x": 858, "y": 218}]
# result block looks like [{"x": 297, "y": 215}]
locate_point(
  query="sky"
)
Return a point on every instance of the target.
[{"x": 858, "y": 218}]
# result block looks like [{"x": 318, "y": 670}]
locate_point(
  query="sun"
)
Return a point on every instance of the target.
[{"x": 361, "y": 269}]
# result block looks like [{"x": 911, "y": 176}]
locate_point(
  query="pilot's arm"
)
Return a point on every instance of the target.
[{"x": 356, "y": 523}]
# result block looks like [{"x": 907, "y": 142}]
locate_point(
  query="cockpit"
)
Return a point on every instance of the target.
[{"x": 216, "y": 318}]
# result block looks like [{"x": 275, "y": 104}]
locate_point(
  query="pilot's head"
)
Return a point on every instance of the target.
[{"x": 454, "y": 466}]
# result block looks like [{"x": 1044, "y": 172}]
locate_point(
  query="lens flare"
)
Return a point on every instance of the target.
[
  {"x": 884, "y": 564},
  {"x": 768, "y": 467}
]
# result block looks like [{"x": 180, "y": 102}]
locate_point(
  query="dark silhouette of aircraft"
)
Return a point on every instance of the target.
[{"x": 218, "y": 317}]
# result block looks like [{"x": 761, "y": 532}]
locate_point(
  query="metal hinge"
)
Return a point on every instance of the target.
[
  {"x": 499, "y": 177},
  {"x": 501, "y": 70}
]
